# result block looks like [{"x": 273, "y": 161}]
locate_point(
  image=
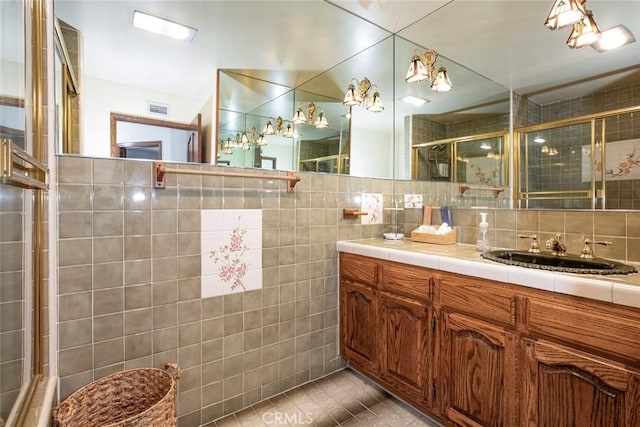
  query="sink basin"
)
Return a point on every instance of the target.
[{"x": 565, "y": 264}]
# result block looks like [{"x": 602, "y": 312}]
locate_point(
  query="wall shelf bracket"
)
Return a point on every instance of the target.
[{"x": 352, "y": 213}]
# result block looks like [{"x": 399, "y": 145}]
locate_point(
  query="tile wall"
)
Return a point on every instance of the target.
[
  {"x": 12, "y": 296},
  {"x": 129, "y": 266},
  {"x": 565, "y": 170},
  {"x": 129, "y": 281}
]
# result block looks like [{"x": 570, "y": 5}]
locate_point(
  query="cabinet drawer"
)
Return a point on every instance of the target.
[
  {"x": 407, "y": 280},
  {"x": 358, "y": 268},
  {"x": 477, "y": 296},
  {"x": 615, "y": 330}
]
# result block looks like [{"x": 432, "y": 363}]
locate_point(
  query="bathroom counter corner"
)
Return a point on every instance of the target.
[{"x": 464, "y": 259}]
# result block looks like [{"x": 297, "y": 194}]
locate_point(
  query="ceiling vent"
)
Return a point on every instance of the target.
[{"x": 158, "y": 108}]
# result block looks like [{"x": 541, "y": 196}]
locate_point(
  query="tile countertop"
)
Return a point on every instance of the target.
[{"x": 464, "y": 259}]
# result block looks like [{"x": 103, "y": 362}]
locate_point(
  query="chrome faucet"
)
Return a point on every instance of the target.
[{"x": 556, "y": 245}]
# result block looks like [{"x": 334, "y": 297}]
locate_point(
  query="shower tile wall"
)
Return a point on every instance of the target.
[
  {"x": 12, "y": 303},
  {"x": 620, "y": 194},
  {"x": 129, "y": 281}
]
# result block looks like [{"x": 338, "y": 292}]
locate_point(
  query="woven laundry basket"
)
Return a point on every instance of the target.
[{"x": 137, "y": 397}]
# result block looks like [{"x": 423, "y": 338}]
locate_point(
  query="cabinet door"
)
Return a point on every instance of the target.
[
  {"x": 562, "y": 386},
  {"x": 406, "y": 345},
  {"x": 477, "y": 376},
  {"x": 358, "y": 324}
]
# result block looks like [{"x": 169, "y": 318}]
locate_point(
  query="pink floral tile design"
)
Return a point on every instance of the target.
[
  {"x": 622, "y": 160},
  {"x": 231, "y": 251},
  {"x": 482, "y": 170},
  {"x": 372, "y": 204}
]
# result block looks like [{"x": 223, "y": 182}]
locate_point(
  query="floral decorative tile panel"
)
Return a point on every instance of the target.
[{"x": 231, "y": 251}]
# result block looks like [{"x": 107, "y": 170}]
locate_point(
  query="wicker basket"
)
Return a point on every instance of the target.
[{"x": 137, "y": 397}]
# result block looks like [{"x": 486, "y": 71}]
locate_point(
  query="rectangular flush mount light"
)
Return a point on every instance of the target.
[
  {"x": 163, "y": 26},
  {"x": 613, "y": 38},
  {"x": 414, "y": 100}
]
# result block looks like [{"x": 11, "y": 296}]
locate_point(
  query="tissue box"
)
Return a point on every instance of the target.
[{"x": 438, "y": 239}]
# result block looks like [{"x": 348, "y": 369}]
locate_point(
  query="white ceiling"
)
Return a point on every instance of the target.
[{"x": 290, "y": 42}]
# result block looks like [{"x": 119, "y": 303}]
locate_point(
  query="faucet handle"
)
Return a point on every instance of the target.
[
  {"x": 534, "y": 247},
  {"x": 587, "y": 250}
]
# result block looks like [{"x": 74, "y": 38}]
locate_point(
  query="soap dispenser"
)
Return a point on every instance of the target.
[{"x": 482, "y": 243}]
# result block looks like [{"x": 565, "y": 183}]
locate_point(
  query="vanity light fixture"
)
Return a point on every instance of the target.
[
  {"x": 299, "y": 117},
  {"x": 289, "y": 132},
  {"x": 321, "y": 121},
  {"x": 375, "y": 105},
  {"x": 353, "y": 97},
  {"x": 358, "y": 94},
  {"x": 613, "y": 38},
  {"x": 585, "y": 32},
  {"x": 422, "y": 67},
  {"x": 564, "y": 13},
  {"x": 261, "y": 141},
  {"x": 268, "y": 128},
  {"x": 163, "y": 26},
  {"x": 244, "y": 139},
  {"x": 227, "y": 148}
]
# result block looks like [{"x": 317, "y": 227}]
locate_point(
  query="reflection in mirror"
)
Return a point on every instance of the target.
[
  {"x": 245, "y": 105},
  {"x": 479, "y": 160},
  {"x": 322, "y": 142},
  {"x": 66, "y": 88},
  {"x": 475, "y": 106},
  {"x": 12, "y": 76},
  {"x": 144, "y": 138},
  {"x": 318, "y": 142},
  {"x": 370, "y": 144},
  {"x": 588, "y": 162},
  {"x": 15, "y": 339}
]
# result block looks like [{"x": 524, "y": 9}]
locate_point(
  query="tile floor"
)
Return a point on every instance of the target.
[{"x": 344, "y": 398}]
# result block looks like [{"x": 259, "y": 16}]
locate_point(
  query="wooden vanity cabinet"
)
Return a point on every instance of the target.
[
  {"x": 405, "y": 346},
  {"x": 359, "y": 312},
  {"x": 477, "y": 372},
  {"x": 387, "y": 324},
  {"x": 564, "y": 387},
  {"x": 474, "y": 352}
]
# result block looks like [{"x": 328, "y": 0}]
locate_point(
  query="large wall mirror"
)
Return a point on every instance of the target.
[
  {"x": 452, "y": 137},
  {"x": 370, "y": 144}
]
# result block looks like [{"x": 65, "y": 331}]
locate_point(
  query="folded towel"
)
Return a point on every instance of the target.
[
  {"x": 444, "y": 212},
  {"x": 426, "y": 215}
]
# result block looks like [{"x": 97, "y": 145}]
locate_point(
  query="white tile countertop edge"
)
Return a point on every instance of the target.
[{"x": 463, "y": 259}]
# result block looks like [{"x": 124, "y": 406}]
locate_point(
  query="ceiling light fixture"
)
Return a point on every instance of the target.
[
  {"x": 163, "y": 26},
  {"x": 358, "y": 94},
  {"x": 613, "y": 38},
  {"x": 423, "y": 68},
  {"x": 585, "y": 32},
  {"x": 564, "y": 13},
  {"x": 539, "y": 140},
  {"x": 485, "y": 146},
  {"x": 414, "y": 100}
]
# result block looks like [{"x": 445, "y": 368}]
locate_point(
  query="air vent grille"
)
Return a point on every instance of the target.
[{"x": 158, "y": 108}]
